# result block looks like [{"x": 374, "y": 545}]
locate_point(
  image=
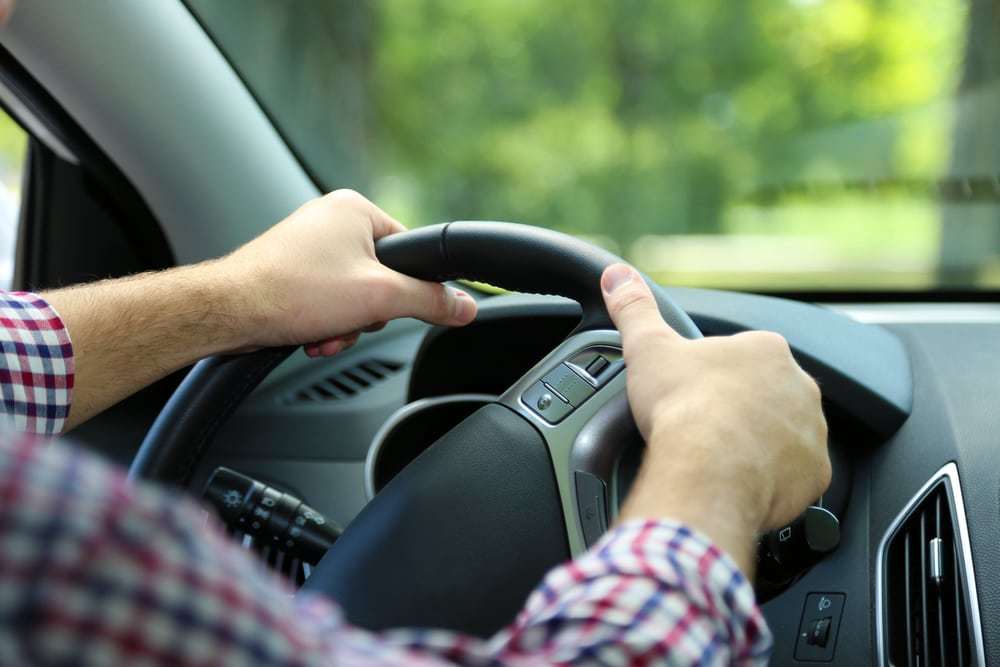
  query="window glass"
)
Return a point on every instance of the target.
[
  {"x": 760, "y": 144},
  {"x": 13, "y": 148}
]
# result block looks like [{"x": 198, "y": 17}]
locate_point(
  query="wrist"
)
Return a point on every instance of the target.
[
  {"x": 708, "y": 512},
  {"x": 683, "y": 480},
  {"x": 233, "y": 307}
]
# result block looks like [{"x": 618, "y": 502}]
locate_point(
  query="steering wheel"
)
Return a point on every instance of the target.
[{"x": 462, "y": 534}]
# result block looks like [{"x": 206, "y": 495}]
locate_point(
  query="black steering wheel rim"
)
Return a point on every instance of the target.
[
  {"x": 485, "y": 511},
  {"x": 514, "y": 256}
]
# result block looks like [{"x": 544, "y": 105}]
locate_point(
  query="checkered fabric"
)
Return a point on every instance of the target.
[
  {"x": 97, "y": 571},
  {"x": 36, "y": 376}
]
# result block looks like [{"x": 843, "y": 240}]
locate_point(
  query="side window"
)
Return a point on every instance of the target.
[{"x": 13, "y": 148}]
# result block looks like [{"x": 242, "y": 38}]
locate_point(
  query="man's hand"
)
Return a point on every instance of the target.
[
  {"x": 734, "y": 429},
  {"x": 312, "y": 279}
]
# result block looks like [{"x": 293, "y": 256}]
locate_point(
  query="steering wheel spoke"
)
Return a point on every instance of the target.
[{"x": 575, "y": 397}]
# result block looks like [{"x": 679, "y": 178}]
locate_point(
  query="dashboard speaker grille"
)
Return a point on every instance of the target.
[
  {"x": 926, "y": 601},
  {"x": 346, "y": 383}
]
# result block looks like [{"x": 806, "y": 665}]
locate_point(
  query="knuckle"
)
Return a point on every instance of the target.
[
  {"x": 347, "y": 196},
  {"x": 814, "y": 389},
  {"x": 440, "y": 304},
  {"x": 772, "y": 341},
  {"x": 824, "y": 474}
]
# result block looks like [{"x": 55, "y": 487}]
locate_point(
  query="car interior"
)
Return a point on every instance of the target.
[{"x": 457, "y": 466}]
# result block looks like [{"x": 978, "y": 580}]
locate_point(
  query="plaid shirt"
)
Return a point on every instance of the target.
[
  {"x": 36, "y": 376},
  {"x": 97, "y": 571}
]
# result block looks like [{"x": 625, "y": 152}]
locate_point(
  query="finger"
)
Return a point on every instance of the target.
[
  {"x": 428, "y": 301},
  {"x": 383, "y": 224},
  {"x": 337, "y": 345},
  {"x": 378, "y": 326},
  {"x": 328, "y": 348},
  {"x": 631, "y": 305}
]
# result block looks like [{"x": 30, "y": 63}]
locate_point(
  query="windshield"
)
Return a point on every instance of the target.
[{"x": 791, "y": 145}]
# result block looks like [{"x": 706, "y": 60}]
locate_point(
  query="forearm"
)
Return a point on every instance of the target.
[{"x": 130, "y": 332}]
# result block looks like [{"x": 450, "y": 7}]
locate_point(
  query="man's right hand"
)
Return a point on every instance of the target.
[{"x": 734, "y": 428}]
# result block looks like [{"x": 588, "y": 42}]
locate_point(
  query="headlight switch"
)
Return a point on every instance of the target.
[{"x": 270, "y": 516}]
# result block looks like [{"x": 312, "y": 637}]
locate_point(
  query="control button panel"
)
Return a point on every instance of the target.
[
  {"x": 569, "y": 384},
  {"x": 546, "y": 403},
  {"x": 592, "y": 501},
  {"x": 818, "y": 627}
]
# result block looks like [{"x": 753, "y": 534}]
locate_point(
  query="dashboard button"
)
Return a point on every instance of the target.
[
  {"x": 818, "y": 627},
  {"x": 570, "y": 386},
  {"x": 597, "y": 366},
  {"x": 819, "y": 633},
  {"x": 546, "y": 403},
  {"x": 592, "y": 503}
]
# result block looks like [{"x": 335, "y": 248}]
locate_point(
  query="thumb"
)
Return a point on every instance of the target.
[
  {"x": 631, "y": 305},
  {"x": 431, "y": 302}
]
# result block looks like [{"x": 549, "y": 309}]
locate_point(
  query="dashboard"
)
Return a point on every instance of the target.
[{"x": 911, "y": 403}]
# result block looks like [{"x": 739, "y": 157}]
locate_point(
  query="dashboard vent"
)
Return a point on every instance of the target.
[
  {"x": 346, "y": 382},
  {"x": 928, "y": 611}
]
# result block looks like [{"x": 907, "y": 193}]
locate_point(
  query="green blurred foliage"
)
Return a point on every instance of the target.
[
  {"x": 13, "y": 148},
  {"x": 621, "y": 118},
  {"x": 687, "y": 136}
]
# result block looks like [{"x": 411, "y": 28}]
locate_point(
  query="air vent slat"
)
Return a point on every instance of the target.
[
  {"x": 936, "y": 547},
  {"x": 346, "y": 383},
  {"x": 908, "y": 595},
  {"x": 925, "y": 615},
  {"x": 372, "y": 371},
  {"x": 355, "y": 379},
  {"x": 308, "y": 394},
  {"x": 925, "y": 630},
  {"x": 959, "y": 618},
  {"x": 331, "y": 391}
]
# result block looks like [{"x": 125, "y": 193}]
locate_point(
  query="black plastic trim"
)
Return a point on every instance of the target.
[{"x": 136, "y": 221}]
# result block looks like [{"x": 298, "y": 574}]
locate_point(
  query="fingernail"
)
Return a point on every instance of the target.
[
  {"x": 615, "y": 276},
  {"x": 462, "y": 305}
]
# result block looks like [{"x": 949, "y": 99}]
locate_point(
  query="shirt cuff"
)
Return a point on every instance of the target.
[{"x": 37, "y": 371}]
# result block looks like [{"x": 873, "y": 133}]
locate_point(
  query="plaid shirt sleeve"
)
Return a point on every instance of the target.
[
  {"x": 36, "y": 374},
  {"x": 97, "y": 571}
]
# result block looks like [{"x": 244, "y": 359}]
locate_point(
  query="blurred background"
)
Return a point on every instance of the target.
[
  {"x": 775, "y": 145},
  {"x": 13, "y": 148}
]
